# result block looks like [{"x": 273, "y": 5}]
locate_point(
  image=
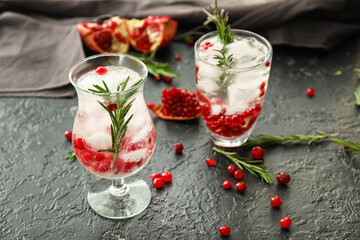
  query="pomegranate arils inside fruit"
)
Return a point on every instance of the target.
[
  {"x": 178, "y": 147},
  {"x": 276, "y": 201},
  {"x": 178, "y": 57},
  {"x": 232, "y": 169},
  {"x": 285, "y": 222},
  {"x": 224, "y": 230},
  {"x": 238, "y": 174},
  {"x": 166, "y": 176},
  {"x": 210, "y": 162},
  {"x": 227, "y": 184},
  {"x": 155, "y": 175},
  {"x": 68, "y": 135},
  {"x": 240, "y": 186},
  {"x": 158, "y": 182},
  {"x": 257, "y": 152},
  {"x": 103, "y": 39},
  {"x": 310, "y": 92},
  {"x": 283, "y": 177},
  {"x": 101, "y": 70}
]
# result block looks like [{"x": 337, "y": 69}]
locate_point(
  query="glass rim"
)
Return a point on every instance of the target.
[
  {"x": 237, "y": 69},
  {"x": 107, "y": 55}
]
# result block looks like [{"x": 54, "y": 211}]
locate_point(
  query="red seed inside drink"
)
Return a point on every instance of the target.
[{"x": 231, "y": 83}]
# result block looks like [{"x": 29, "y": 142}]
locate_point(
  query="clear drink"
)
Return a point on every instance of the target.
[{"x": 231, "y": 97}]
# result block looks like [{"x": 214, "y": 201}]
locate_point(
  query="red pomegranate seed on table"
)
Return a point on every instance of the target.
[
  {"x": 101, "y": 70},
  {"x": 238, "y": 174},
  {"x": 224, "y": 230},
  {"x": 285, "y": 222},
  {"x": 158, "y": 77},
  {"x": 240, "y": 186},
  {"x": 283, "y": 177},
  {"x": 310, "y": 92},
  {"x": 231, "y": 169},
  {"x": 210, "y": 162},
  {"x": 257, "y": 152},
  {"x": 155, "y": 175},
  {"x": 276, "y": 201},
  {"x": 178, "y": 58},
  {"x": 178, "y": 147},
  {"x": 190, "y": 42},
  {"x": 68, "y": 135},
  {"x": 158, "y": 182},
  {"x": 227, "y": 184},
  {"x": 166, "y": 176}
]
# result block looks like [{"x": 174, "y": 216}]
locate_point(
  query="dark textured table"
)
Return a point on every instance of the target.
[{"x": 43, "y": 196}]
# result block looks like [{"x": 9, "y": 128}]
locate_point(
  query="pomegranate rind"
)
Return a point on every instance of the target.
[
  {"x": 157, "y": 109},
  {"x": 151, "y": 33}
]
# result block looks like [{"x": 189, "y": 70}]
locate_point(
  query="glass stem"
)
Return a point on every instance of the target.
[{"x": 119, "y": 187}]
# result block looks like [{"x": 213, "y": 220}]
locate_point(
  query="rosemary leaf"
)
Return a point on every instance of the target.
[
  {"x": 71, "y": 156},
  {"x": 357, "y": 96},
  {"x": 350, "y": 146}
]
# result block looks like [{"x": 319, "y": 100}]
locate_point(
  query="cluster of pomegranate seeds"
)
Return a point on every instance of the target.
[
  {"x": 158, "y": 179},
  {"x": 310, "y": 92},
  {"x": 276, "y": 201},
  {"x": 178, "y": 147},
  {"x": 241, "y": 186},
  {"x": 283, "y": 177},
  {"x": 227, "y": 184},
  {"x": 257, "y": 152},
  {"x": 285, "y": 222},
  {"x": 224, "y": 230},
  {"x": 178, "y": 58},
  {"x": 103, "y": 38},
  {"x": 210, "y": 162},
  {"x": 178, "y": 102},
  {"x": 101, "y": 70},
  {"x": 68, "y": 135}
]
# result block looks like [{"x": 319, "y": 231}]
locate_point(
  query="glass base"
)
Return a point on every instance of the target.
[
  {"x": 229, "y": 143},
  {"x": 119, "y": 205}
]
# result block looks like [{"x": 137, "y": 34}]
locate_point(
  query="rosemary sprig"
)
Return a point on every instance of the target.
[
  {"x": 156, "y": 68},
  {"x": 223, "y": 60},
  {"x": 357, "y": 96},
  {"x": 117, "y": 116},
  {"x": 350, "y": 146},
  {"x": 221, "y": 22},
  {"x": 71, "y": 156},
  {"x": 257, "y": 170},
  {"x": 266, "y": 140}
]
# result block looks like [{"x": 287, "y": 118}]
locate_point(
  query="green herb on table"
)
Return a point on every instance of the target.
[
  {"x": 223, "y": 60},
  {"x": 266, "y": 140},
  {"x": 117, "y": 116},
  {"x": 249, "y": 164},
  {"x": 357, "y": 96},
  {"x": 71, "y": 156},
  {"x": 349, "y": 146},
  {"x": 155, "y": 68},
  {"x": 221, "y": 22}
]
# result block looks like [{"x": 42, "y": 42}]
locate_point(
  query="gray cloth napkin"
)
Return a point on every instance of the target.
[{"x": 39, "y": 42}]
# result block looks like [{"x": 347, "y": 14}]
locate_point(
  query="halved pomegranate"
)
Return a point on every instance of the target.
[
  {"x": 151, "y": 33},
  {"x": 178, "y": 104},
  {"x": 111, "y": 36}
]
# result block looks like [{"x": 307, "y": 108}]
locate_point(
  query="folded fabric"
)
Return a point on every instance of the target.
[{"x": 39, "y": 42}]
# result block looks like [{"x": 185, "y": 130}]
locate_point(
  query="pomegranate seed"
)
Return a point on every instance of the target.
[
  {"x": 68, "y": 135},
  {"x": 155, "y": 175},
  {"x": 285, "y": 222},
  {"x": 310, "y": 92},
  {"x": 257, "y": 152},
  {"x": 178, "y": 58},
  {"x": 178, "y": 147},
  {"x": 158, "y": 182},
  {"x": 241, "y": 186},
  {"x": 231, "y": 169},
  {"x": 79, "y": 143},
  {"x": 101, "y": 70},
  {"x": 227, "y": 184},
  {"x": 276, "y": 201},
  {"x": 168, "y": 79},
  {"x": 267, "y": 64},
  {"x": 224, "y": 230},
  {"x": 166, "y": 176},
  {"x": 283, "y": 177},
  {"x": 346, "y": 147},
  {"x": 99, "y": 156},
  {"x": 210, "y": 162},
  {"x": 190, "y": 42},
  {"x": 238, "y": 174},
  {"x": 158, "y": 77}
]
